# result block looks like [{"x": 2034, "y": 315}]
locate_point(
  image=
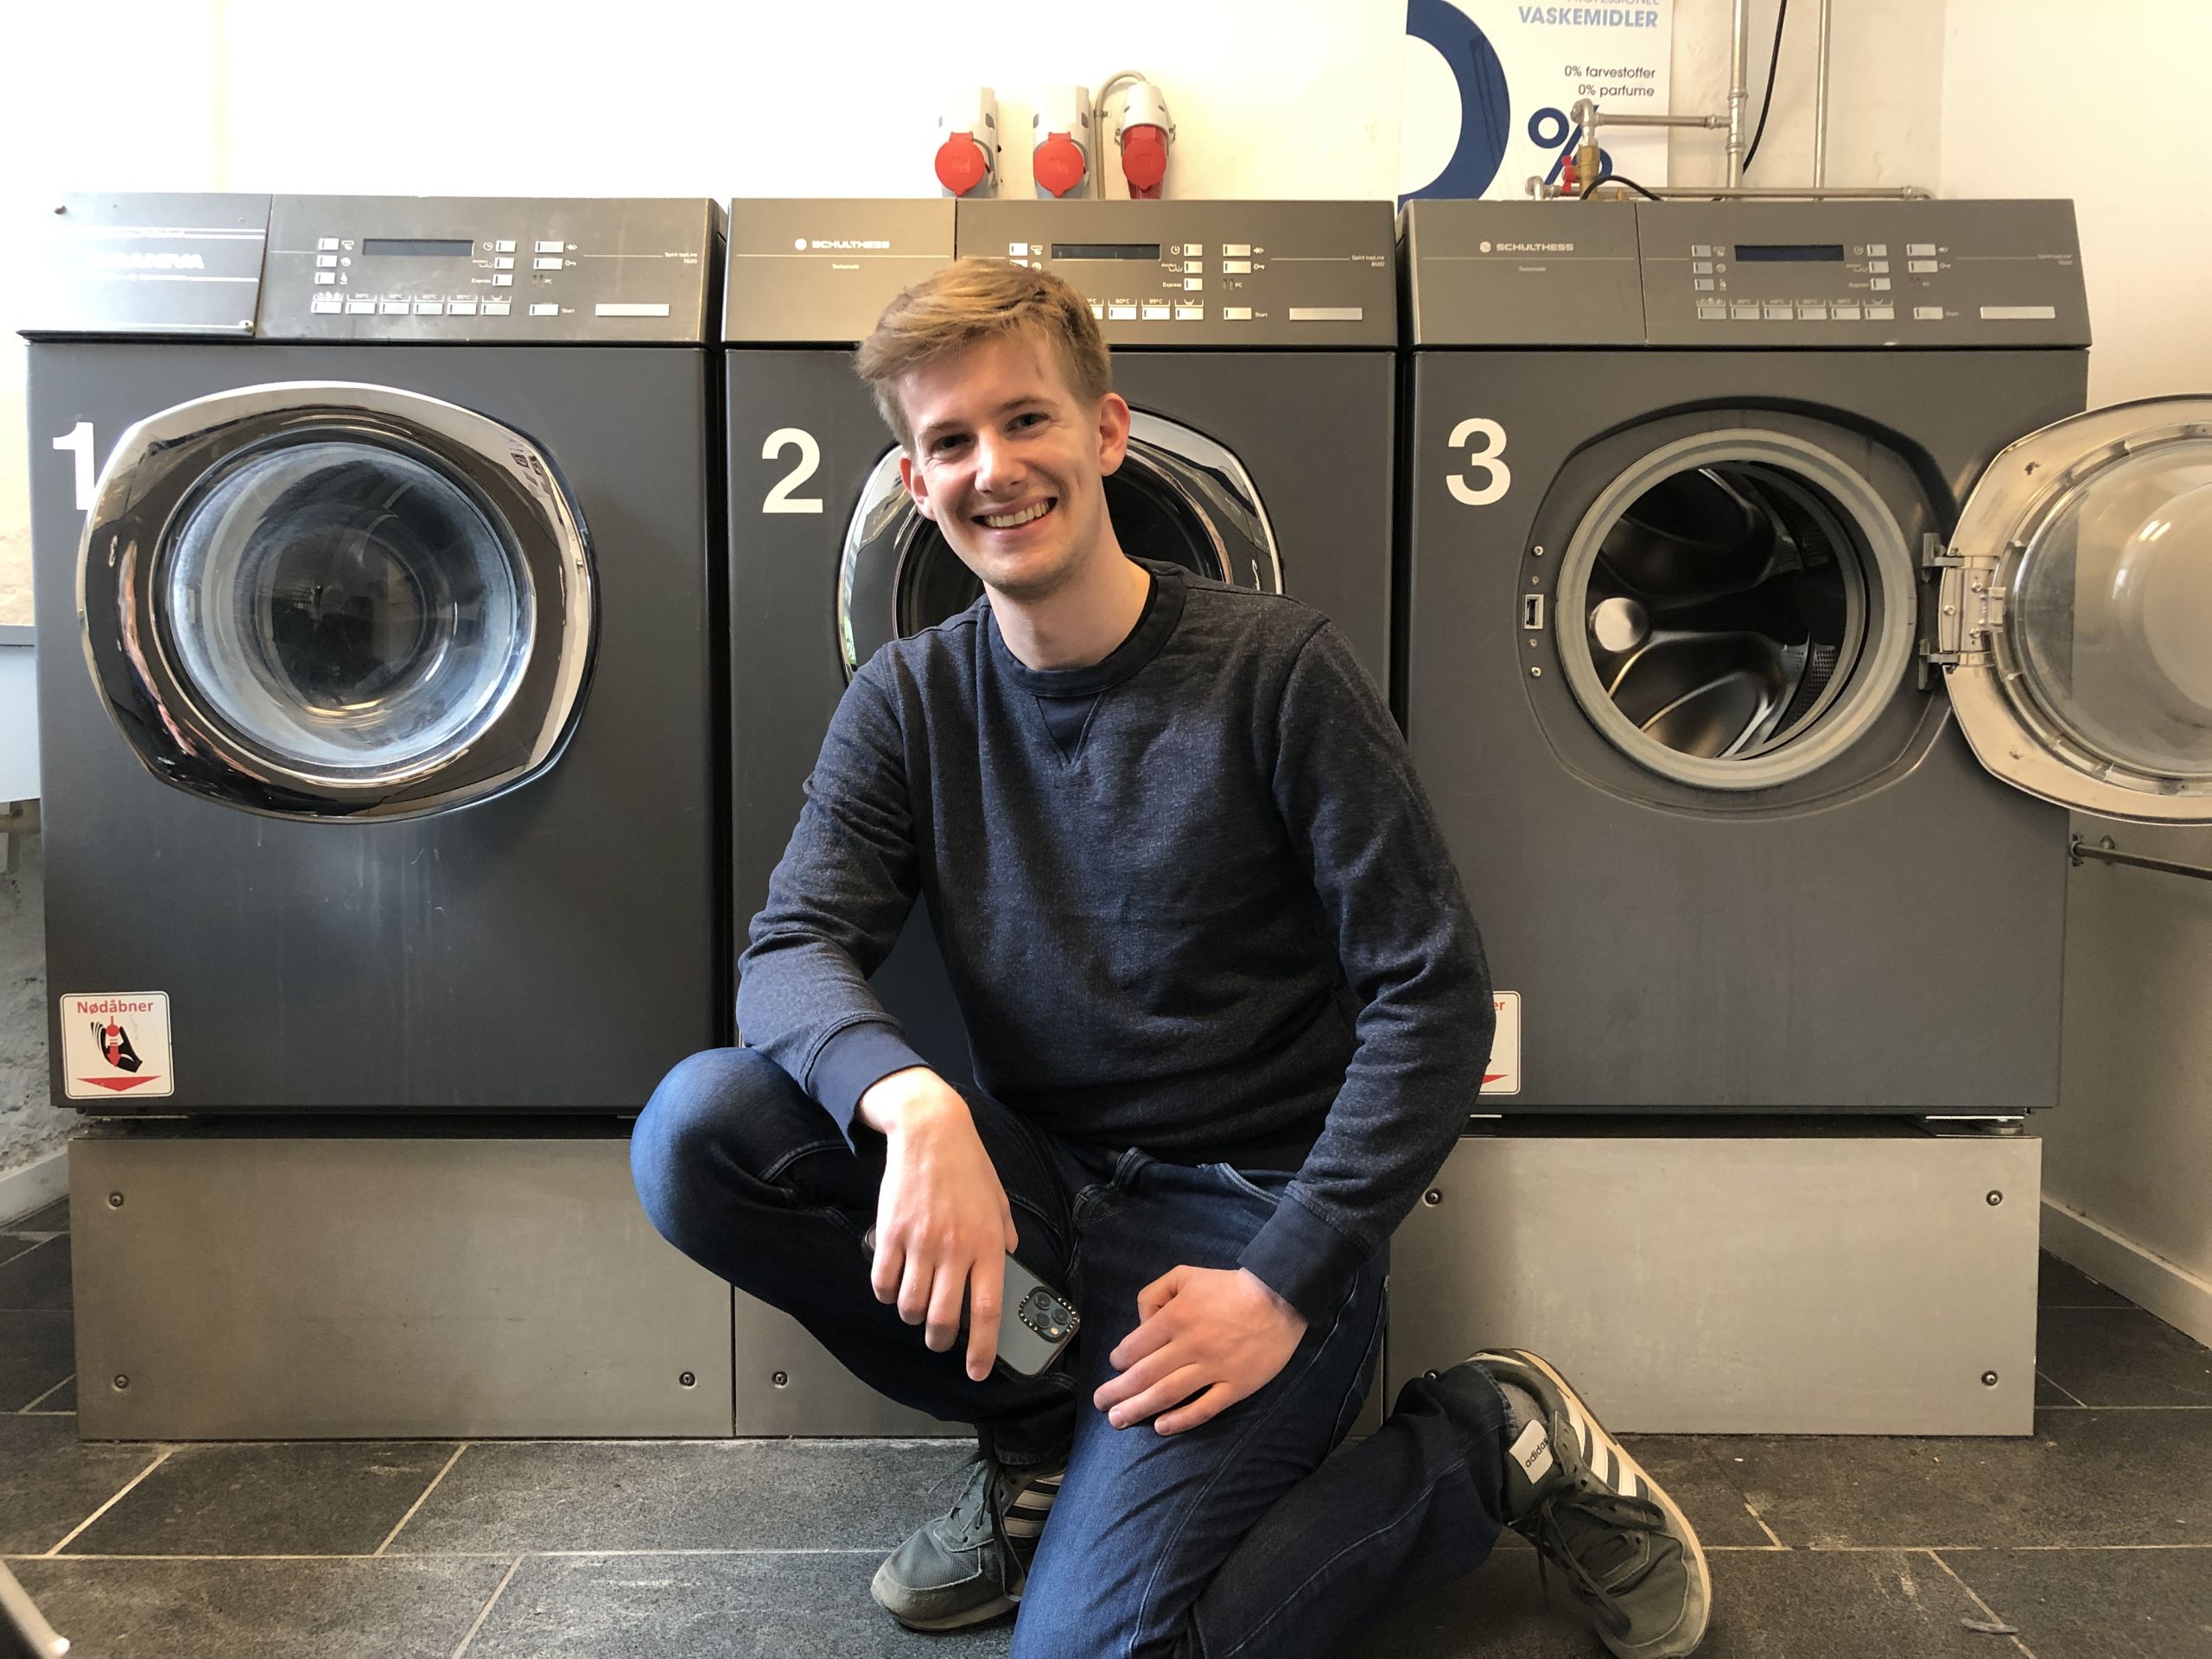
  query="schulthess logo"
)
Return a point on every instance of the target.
[
  {"x": 116, "y": 1043},
  {"x": 841, "y": 245},
  {"x": 1533, "y": 247},
  {"x": 147, "y": 261}
]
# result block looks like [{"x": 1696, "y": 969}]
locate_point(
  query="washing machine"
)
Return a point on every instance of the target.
[
  {"x": 1255, "y": 344},
  {"x": 379, "y": 596},
  {"x": 1769, "y": 597}
]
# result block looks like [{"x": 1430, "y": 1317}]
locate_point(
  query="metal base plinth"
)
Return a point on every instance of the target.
[
  {"x": 243, "y": 1286},
  {"x": 1801, "y": 1278}
]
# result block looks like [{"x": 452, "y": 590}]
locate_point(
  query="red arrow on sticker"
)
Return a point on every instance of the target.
[{"x": 118, "y": 1084}]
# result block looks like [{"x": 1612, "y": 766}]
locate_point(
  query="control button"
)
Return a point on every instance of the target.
[
  {"x": 1121, "y": 313},
  {"x": 1194, "y": 266},
  {"x": 504, "y": 244},
  {"x": 326, "y": 305},
  {"x": 1812, "y": 313},
  {"x": 1742, "y": 308},
  {"x": 2019, "y": 313},
  {"x": 1194, "y": 248},
  {"x": 1702, "y": 285},
  {"x": 1881, "y": 313},
  {"x": 328, "y": 261},
  {"x": 1700, "y": 250},
  {"x": 503, "y": 280},
  {"x": 429, "y": 308},
  {"x": 1192, "y": 284},
  {"x": 360, "y": 307},
  {"x": 395, "y": 307},
  {"x": 503, "y": 263},
  {"x": 1702, "y": 267},
  {"x": 1878, "y": 267},
  {"x": 1237, "y": 267},
  {"x": 1712, "y": 313},
  {"x": 1845, "y": 314},
  {"x": 1155, "y": 313},
  {"x": 1017, "y": 249},
  {"x": 1328, "y": 313},
  {"x": 550, "y": 247},
  {"x": 1190, "y": 313},
  {"x": 461, "y": 308},
  {"x": 1878, "y": 250},
  {"x": 545, "y": 264},
  {"x": 1099, "y": 310},
  {"x": 1920, "y": 265},
  {"x": 327, "y": 244},
  {"x": 1920, "y": 250},
  {"x": 497, "y": 308},
  {"x": 544, "y": 310},
  {"x": 1781, "y": 313},
  {"x": 630, "y": 309},
  {"x": 1880, "y": 284},
  {"x": 1236, "y": 313},
  {"x": 1927, "y": 314},
  {"x": 325, "y": 277},
  {"x": 1237, "y": 249}
]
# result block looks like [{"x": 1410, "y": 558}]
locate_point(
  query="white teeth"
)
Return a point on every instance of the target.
[{"x": 1007, "y": 521}]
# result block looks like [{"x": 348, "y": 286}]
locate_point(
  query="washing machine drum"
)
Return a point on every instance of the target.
[
  {"x": 1178, "y": 497},
  {"x": 329, "y": 600}
]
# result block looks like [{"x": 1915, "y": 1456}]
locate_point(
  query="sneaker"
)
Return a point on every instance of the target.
[
  {"x": 971, "y": 1563},
  {"x": 1627, "y": 1551}
]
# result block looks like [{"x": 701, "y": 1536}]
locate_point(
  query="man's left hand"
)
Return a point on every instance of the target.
[{"x": 1218, "y": 1335}]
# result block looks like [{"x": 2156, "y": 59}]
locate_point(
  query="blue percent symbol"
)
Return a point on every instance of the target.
[{"x": 1552, "y": 129}]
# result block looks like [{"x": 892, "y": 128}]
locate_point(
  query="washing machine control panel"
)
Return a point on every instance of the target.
[
  {"x": 489, "y": 269},
  {"x": 1209, "y": 274},
  {"x": 1736, "y": 273}
]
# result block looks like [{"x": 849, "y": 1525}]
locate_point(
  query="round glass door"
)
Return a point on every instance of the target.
[
  {"x": 2083, "y": 669},
  {"x": 356, "y": 602},
  {"x": 1178, "y": 498}
]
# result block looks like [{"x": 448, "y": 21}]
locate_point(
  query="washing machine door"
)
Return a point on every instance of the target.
[
  {"x": 1178, "y": 497},
  {"x": 318, "y": 599},
  {"x": 2073, "y": 621}
]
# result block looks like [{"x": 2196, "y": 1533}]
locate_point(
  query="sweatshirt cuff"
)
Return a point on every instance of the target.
[
  {"x": 854, "y": 1061},
  {"x": 1303, "y": 1260}
]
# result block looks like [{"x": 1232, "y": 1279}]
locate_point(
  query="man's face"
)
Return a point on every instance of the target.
[{"x": 1009, "y": 463}]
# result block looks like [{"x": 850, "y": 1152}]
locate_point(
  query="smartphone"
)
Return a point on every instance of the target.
[{"x": 1035, "y": 1321}]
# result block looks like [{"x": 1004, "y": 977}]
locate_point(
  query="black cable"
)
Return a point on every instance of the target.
[
  {"x": 1781, "y": 16},
  {"x": 1616, "y": 178}
]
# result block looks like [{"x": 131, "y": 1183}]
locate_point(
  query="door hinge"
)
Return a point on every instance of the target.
[{"x": 1968, "y": 605}]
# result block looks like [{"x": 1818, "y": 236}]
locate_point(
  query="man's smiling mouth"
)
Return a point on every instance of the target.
[{"x": 1011, "y": 521}]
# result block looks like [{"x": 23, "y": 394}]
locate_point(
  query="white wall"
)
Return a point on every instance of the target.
[{"x": 2053, "y": 97}]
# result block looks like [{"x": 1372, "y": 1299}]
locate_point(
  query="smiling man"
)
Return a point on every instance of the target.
[{"x": 1229, "y": 1012}]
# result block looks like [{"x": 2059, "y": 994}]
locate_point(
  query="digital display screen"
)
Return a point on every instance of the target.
[
  {"x": 416, "y": 247},
  {"x": 1790, "y": 253},
  {"x": 1105, "y": 250}
]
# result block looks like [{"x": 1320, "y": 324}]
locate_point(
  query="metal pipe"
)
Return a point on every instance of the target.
[
  {"x": 1820, "y": 104},
  {"x": 2105, "y": 852},
  {"x": 1658, "y": 120},
  {"x": 1763, "y": 192},
  {"x": 1739, "y": 52}
]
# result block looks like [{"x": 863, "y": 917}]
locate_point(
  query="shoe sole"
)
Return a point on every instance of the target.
[
  {"x": 1695, "y": 1615},
  {"x": 967, "y": 1615}
]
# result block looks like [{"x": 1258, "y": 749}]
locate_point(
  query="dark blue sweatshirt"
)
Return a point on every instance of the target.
[{"x": 1225, "y": 921}]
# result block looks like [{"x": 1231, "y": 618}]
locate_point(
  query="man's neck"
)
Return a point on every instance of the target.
[{"x": 1081, "y": 623}]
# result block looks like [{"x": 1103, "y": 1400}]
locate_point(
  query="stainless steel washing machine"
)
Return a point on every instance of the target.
[{"x": 1768, "y": 596}]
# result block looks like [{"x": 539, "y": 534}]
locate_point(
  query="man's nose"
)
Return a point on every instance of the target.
[{"x": 998, "y": 469}]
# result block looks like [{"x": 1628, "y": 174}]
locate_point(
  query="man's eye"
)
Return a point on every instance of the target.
[{"x": 1031, "y": 419}]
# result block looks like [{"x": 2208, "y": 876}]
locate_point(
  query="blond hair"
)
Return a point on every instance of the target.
[{"x": 967, "y": 302}]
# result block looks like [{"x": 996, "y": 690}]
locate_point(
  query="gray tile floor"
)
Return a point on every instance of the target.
[{"x": 2091, "y": 1540}]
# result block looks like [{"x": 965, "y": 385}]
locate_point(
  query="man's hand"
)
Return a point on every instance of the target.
[
  {"x": 1198, "y": 1328},
  {"x": 942, "y": 1225}
]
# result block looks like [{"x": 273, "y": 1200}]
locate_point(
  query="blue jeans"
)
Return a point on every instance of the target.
[{"x": 1243, "y": 1536}]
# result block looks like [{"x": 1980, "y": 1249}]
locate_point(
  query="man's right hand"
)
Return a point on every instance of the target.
[{"x": 943, "y": 1226}]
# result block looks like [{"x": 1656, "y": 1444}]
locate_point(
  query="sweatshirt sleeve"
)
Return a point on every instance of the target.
[
  {"x": 1413, "y": 964},
  {"x": 837, "y": 902}
]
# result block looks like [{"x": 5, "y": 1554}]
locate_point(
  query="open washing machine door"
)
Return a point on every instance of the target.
[
  {"x": 319, "y": 599},
  {"x": 1178, "y": 497},
  {"x": 2073, "y": 622}
]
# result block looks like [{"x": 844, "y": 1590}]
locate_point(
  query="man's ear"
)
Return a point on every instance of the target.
[
  {"x": 1113, "y": 432},
  {"x": 916, "y": 492}
]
